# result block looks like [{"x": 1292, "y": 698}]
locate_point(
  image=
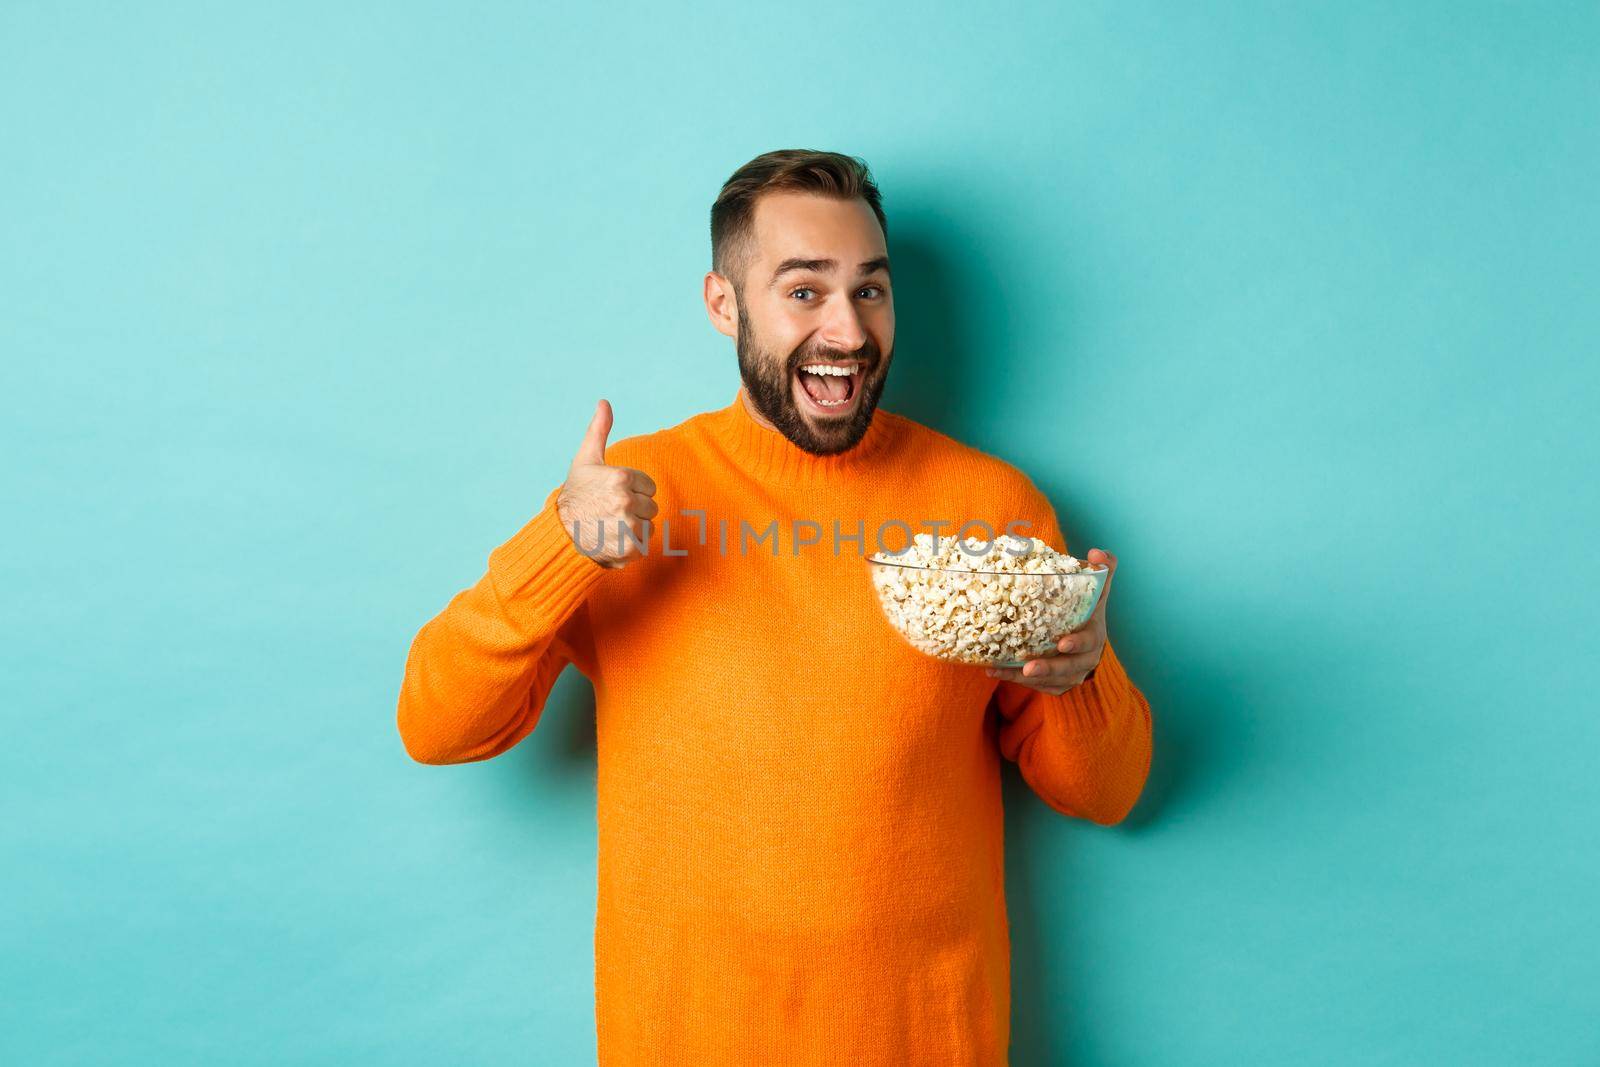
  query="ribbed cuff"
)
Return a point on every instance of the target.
[
  {"x": 540, "y": 568},
  {"x": 1092, "y": 705}
]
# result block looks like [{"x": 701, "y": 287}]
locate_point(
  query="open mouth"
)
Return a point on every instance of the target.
[{"x": 829, "y": 389}]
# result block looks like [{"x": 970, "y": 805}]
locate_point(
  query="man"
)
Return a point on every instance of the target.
[{"x": 799, "y": 815}]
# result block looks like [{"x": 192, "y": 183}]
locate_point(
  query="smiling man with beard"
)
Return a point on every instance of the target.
[
  {"x": 823, "y": 394},
  {"x": 800, "y": 827}
]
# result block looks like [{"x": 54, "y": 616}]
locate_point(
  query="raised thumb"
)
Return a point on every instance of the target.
[{"x": 593, "y": 449}]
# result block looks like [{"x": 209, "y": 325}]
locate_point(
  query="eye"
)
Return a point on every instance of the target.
[
  {"x": 800, "y": 290},
  {"x": 871, "y": 289}
]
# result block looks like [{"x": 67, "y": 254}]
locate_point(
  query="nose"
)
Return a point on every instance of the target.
[{"x": 843, "y": 330}]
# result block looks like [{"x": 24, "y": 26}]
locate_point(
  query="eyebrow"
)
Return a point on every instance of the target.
[{"x": 822, "y": 266}]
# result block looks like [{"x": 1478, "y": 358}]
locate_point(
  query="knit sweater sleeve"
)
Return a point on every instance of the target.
[
  {"x": 1087, "y": 752},
  {"x": 478, "y": 673}
]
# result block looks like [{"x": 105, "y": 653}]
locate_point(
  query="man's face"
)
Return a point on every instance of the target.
[{"x": 816, "y": 292}]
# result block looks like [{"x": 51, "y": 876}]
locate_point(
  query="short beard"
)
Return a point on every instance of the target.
[{"x": 773, "y": 396}]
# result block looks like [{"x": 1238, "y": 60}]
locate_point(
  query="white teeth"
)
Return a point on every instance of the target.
[{"x": 836, "y": 372}]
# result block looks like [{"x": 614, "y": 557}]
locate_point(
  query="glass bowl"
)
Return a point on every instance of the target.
[{"x": 985, "y": 618}]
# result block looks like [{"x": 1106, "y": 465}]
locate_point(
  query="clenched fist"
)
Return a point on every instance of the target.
[{"x": 602, "y": 499}]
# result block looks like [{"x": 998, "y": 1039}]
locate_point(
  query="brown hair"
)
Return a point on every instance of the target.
[{"x": 787, "y": 169}]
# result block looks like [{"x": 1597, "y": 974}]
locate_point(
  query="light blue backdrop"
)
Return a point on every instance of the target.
[{"x": 1291, "y": 306}]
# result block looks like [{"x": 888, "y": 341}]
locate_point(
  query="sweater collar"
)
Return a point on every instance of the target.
[{"x": 770, "y": 456}]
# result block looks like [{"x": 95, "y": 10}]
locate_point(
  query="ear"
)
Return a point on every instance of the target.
[{"x": 722, "y": 307}]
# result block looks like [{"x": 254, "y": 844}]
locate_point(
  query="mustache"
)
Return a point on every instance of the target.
[{"x": 868, "y": 354}]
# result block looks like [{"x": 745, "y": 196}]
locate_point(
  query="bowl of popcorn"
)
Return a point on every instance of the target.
[{"x": 993, "y": 603}]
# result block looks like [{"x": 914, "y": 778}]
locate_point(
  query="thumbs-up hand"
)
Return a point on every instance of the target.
[{"x": 602, "y": 499}]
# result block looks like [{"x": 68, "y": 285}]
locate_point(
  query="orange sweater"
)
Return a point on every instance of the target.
[{"x": 799, "y": 815}]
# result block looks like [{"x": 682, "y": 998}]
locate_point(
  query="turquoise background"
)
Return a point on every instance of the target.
[{"x": 1291, "y": 306}]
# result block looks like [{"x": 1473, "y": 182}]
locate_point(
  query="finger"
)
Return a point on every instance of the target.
[
  {"x": 640, "y": 482},
  {"x": 1101, "y": 557},
  {"x": 1043, "y": 669},
  {"x": 593, "y": 449},
  {"x": 1080, "y": 642},
  {"x": 1053, "y": 686},
  {"x": 643, "y": 506},
  {"x": 1053, "y": 668}
]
